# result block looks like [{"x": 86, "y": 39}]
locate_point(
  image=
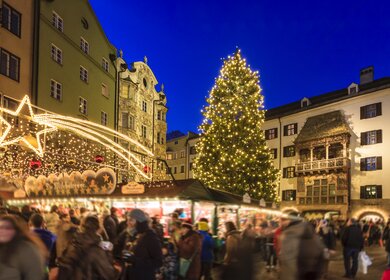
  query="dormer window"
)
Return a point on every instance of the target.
[
  {"x": 353, "y": 88},
  {"x": 305, "y": 102}
]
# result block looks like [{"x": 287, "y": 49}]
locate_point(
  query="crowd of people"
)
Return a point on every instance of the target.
[{"x": 77, "y": 244}]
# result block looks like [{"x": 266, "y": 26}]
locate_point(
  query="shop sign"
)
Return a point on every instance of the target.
[
  {"x": 133, "y": 188},
  {"x": 246, "y": 198},
  {"x": 262, "y": 203},
  {"x": 87, "y": 183}
]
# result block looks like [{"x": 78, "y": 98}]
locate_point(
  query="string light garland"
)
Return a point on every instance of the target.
[
  {"x": 61, "y": 137},
  {"x": 232, "y": 151}
]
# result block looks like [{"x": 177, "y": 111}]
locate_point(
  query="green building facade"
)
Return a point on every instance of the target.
[{"x": 75, "y": 74}]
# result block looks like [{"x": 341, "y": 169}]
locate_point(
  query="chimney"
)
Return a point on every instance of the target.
[{"x": 367, "y": 75}]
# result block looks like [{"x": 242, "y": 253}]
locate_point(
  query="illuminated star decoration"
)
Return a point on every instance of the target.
[
  {"x": 3, "y": 142},
  {"x": 86, "y": 129}
]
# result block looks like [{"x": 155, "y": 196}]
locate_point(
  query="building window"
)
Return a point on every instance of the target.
[
  {"x": 182, "y": 154},
  {"x": 125, "y": 120},
  {"x": 163, "y": 116},
  {"x": 83, "y": 74},
  {"x": 57, "y": 22},
  {"x": 192, "y": 150},
  {"x": 175, "y": 170},
  {"x": 289, "y": 151},
  {"x": 191, "y": 166},
  {"x": 290, "y": 129},
  {"x": 83, "y": 106},
  {"x": 143, "y": 131},
  {"x": 162, "y": 140},
  {"x": 144, "y": 106},
  {"x": 105, "y": 64},
  {"x": 176, "y": 142},
  {"x": 182, "y": 169},
  {"x": 289, "y": 172},
  {"x": 131, "y": 122},
  {"x": 289, "y": 195},
  {"x": 371, "y": 111},
  {"x": 169, "y": 156},
  {"x": 174, "y": 156},
  {"x": 371, "y": 192},
  {"x": 370, "y": 163},
  {"x": 274, "y": 153},
  {"x": 158, "y": 138},
  {"x": 9, "y": 65},
  {"x": 104, "y": 90},
  {"x": 103, "y": 118},
  {"x": 159, "y": 114},
  {"x": 56, "y": 90},
  {"x": 56, "y": 54},
  {"x": 84, "y": 45},
  {"x": 11, "y": 19},
  {"x": 371, "y": 137},
  {"x": 271, "y": 133}
]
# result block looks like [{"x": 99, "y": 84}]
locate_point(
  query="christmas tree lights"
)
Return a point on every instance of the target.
[{"x": 232, "y": 151}]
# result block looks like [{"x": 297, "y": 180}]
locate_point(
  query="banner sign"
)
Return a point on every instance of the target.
[{"x": 133, "y": 188}]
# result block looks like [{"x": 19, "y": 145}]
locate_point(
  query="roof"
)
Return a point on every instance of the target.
[
  {"x": 323, "y": 126},
  {"x": 327, "y": 98},
  {"x": 174, "y": 134},
  {"x": 229, "y": 198}
]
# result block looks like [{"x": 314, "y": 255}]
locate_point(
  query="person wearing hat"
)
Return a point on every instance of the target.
[
  {"x": 110, "y": 226},
  {"x": 207, "y": 256},
  {"x": 144, "y": 255},
  {"x": 302, "y": 251},
  {"x": 190, "y": 248}
]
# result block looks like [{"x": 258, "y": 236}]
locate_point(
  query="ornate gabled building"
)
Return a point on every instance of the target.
[
  {"x": 331, "y": 150},
  {"x": 142, "y": 113}
]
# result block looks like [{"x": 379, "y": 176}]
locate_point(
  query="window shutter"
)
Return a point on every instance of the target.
[
  {"x": 362, "y": 192},
  {"x": 284, "y": 151},
  {"x": 284, "y": 172},
  {"x": 379, "y": 191},
  {"x": 275, "y": 153},
  {"x": 379, "y": 109},
  {"x": 295, "y": 128},
  {"x": 285, "y": 130},
  {"x": 362, "y": 164},
  {"x": 378, "y": 163},
  {"x": 379, "y": 136},
  {"x": 293, "y": 153},
  {"x": 267, "y": 134},
  {"x": 276, "y": 132},
  {"x": 294, "y": 194},
  {"x": 362, "y": 112},
  {"x": 363, "y": 138},
  {"x": 284, "y": 195}
]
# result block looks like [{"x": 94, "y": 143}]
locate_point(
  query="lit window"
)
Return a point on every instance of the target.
[
  {"x": 271, "y": 133},
  {"x": 289, "y": 195},
  {"x": 57, "y": 22},
  {"x": 83, "y": 106},
  {"x": 274, "y": 153},
  {"x": 56, "y": 54},
  {"x": 289, "y": 172},
  {"x": 371, "y": 111},
  {"x": 290, "y": 129},
  {"x": 370, "y": 192},
  {"x": 84, "y": 45},
  {"x": 169, "y": 156},
  {"x": 103, "y": 118},
  {"x": 182, "y": 154},
  {"x": 289, "y": 151},
  {"x": 11, "y": 19},
  {"x": 83, "y": 74},
  {"x": 56, "y": 90},
  {"x": 9, "y": 65}
]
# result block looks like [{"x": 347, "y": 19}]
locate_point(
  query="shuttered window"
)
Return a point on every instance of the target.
[
  {"x": 371, "y": 192},
  {"x": 370, "y": 163},
  {"x": 371, "y": 137},
  {"x": 371, "y": 111},
  {"x": 290, "y": 129}
]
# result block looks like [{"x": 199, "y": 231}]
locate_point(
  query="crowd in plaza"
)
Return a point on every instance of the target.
[{"x": 79, "y": 244}]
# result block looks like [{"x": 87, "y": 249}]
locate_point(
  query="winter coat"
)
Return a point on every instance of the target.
[
  {"x": 86, "y": 259},
  {"x": 207, "y": 246},
  {"x": 328, "y": 237},
  {"x": 25, "y": 263},
  {"x": 277, "y": 235},
  {"x": 52, "y": 220},
  {"x": 65, "y": 233},
  {"x": 190, "y": 246},
  {"x": 169, "y": 269},
  {"x": 386, "y": 274},
  {"x": 110, "y": 227},
  {"x": 352, "y": 237},
  {"x": 301, "y": 252},
  {"x": 147, "y": 258},
  {"x": 47, "y": 237},
  {"x": 232, "y": 247}
]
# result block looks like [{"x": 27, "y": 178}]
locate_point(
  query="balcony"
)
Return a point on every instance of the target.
[{"x": 322, "y": 165}]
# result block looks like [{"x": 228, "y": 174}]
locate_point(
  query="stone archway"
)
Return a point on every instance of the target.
[{"x": 371, "y": 215}]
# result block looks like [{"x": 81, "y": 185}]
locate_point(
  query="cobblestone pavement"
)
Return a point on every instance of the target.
[{"x": 336, "y": 267}]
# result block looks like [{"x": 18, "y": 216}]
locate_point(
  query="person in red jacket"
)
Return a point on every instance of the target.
[
  {"x": 277, "y": 235},
  {"x": 386, "y": 274}
]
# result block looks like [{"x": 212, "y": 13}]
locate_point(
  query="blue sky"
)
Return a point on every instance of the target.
[{"x": 301, "y": 48}]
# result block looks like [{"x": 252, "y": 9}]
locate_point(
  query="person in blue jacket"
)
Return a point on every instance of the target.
[{"x": 207, "y": 256}]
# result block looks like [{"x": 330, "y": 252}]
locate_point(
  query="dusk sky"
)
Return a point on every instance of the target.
[{"x": 301, "y": 48}]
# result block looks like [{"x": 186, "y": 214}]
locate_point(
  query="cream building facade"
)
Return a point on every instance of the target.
[
  {"x": 16, "y": 49},
  {"x": 331, "y": 150},
  {"x": 142, "y": 113}
]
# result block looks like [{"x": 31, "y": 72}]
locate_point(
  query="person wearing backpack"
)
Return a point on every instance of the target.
[
  {"x": 302, "y": 251},
  {"x": 87, "y": 257}
]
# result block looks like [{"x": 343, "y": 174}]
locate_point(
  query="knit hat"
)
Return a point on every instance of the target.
[
  {"x": 203, "y": 226},
  {"x": 138, "y": 215},
  {"x": 187, "y": 225}
]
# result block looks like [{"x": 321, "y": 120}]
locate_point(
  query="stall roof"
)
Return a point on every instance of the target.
[{"x": 230, "y": 198}]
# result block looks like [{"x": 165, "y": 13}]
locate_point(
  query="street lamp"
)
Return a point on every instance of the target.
[{"x": 159, "y": 101}]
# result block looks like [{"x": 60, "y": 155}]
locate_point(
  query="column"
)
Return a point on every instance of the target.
[
  {"x": 311, "y": 157},
  {"x": 327, "y": 154},
  {"x": 344, "y": 149}
]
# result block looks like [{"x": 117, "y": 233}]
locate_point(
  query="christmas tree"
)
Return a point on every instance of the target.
[{"x": 232, "y": 151}]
